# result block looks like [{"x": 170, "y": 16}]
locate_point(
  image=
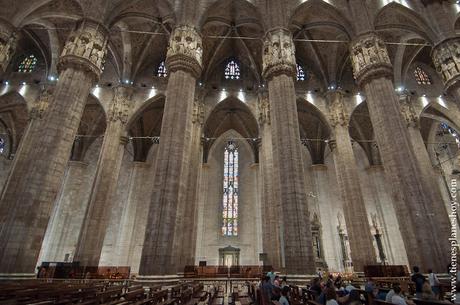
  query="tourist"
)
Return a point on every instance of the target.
[
  {"x": 338, "y": 282},
  {"x": 427, "y": 293},
  {"x": 271, "y": 274},
  {"x": 434, "y": 283},
  {"x": 267, "y": 289},
  {"x": 284, "y": 282},
  {"x": 418, "y": 279},
  {"x": 391, "y": 293},
  {"x": 397, "y": 298},
  {"x": 315, "y": 287},
  {"x": 331, "y": 296},
  {"x": 284, "y": 293},
  {"x": 354, "y": 298}
]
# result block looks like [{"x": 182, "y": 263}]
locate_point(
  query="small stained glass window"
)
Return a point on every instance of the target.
[
  {"x": 422, "y": 77},
  {"x": 28, "y": 64},
  {"x": 232, "y": 70},
  {"x": 300, "y": 73},
  {"x": 162, "y": 71},
  {"x": 230, "y": 191}
]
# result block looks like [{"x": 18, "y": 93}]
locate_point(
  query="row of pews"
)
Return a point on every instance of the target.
[{"x": 117, "y": 293}]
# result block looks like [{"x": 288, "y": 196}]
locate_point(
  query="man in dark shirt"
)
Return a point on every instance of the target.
[{"x": 418, "y": 279}]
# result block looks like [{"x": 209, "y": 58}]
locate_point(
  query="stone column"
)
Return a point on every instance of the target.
[
  {"x": 8, "y": 41},
  {"x": 373, "y": 71},
  {"x": 186, "y": 231},
  {"x": 173, "y": 162},
  {"x": 270, "y": 212},
  {"x": 279, "y": 69},
  {"x": 446, "y": 59},
  {"x": 428, "y": 173},
  {"x": 38, "y": 172},
  {"x": 98, "y": 213},
  {"x": 354, "y": 209}
]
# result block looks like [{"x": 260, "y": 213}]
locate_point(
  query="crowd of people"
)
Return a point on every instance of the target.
[{"x": 334, "y": 290}]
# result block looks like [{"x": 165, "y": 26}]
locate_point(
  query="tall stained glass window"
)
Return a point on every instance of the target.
[
  {"x": 232, "y": 70},
  {"x": 28, "y": 64},
  {"x": 162, "y": 71},
  {"x": 300, "y": 73},
  {"x": 230, "y": 194},
  {"x": 422, "y": 77}
]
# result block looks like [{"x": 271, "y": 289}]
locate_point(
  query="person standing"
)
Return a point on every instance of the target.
[
  {"x": 434, "y": 283},
  {"x": 418, "y": 279}
]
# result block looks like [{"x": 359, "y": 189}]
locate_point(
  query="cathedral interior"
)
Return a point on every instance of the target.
[{"x": 157, "y": 134}]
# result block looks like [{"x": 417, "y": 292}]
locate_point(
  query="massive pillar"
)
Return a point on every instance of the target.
[
  {"x": 173, "y": 161},
  {"x": 269, "y": 206},
  {"x": 98, "y": 212},
  {"x": 359, "y": 232},
  {"x": 38, "y": 172},
  {"x": 428, "y": 176},
  {"x": 8, "y": 40},
  {"x": 279, "y": 69},
  {"x": 421, "y": 234},
  {"x": 186, "y": 231}
]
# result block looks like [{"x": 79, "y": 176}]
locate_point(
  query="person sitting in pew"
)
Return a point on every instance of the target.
[
  {"x": 331, "y": 296},
  {"x": 354, "y": 298},
  {"x": 284, "y": 296},
  {"x": 391, "y": 293},
  {"x": 398, "y": 298}
]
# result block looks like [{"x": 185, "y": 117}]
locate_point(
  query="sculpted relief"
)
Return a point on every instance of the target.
[
  {"x": 279, "y": 53},
  {"x": 446, "y": 59},
  {"x": 367, "y": 53}
]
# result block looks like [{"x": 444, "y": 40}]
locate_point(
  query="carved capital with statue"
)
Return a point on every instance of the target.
[
  {"x": 8, "y": 41},
  {"x": 369, "y": 57},
  {"x": 278, "y": 54},
  {"x": 185, "y": 51},
  {"x": 446, "y": 59},
  {"x": 408, "y": 111},
  {"x": 198, "y": 112},
  {"x": 121, "y": 105},
  {"x": 338, "y": 115},
  {"x": 41, "y": 104},
  {"x": 263, "y": 106},
  {"x": 86, "y": 48}
]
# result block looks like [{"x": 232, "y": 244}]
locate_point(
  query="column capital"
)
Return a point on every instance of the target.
[
  {"x": 408, "y": 111},
  {"x": 278, "y": 54},
  {"x": 338, "y": 116},
  {"x": 263, "y": 105},
  {"x": 86, "y": 48},
  {"x": 121, "y": 105},
  {"x": 185, "y": 50},
  {"x": 446, "y": 59},
  {"x": 41, "y": 104},
  {"x": 8, "y": 41},
  {"x": 369, "y": 57}
]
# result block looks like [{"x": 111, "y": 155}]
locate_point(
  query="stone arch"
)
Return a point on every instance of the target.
[
  {"x": 92, "y": 126},
  {"x": 395, "y": 16},
  {"x": 362, "y": 132},
  {"x": 314, "y": 130},
  {"x": 14, "y": 115},
  {"x": 145, "y": 122},
  {"x": 231, "y": 114},
  {"x": 315, "y": 20}
]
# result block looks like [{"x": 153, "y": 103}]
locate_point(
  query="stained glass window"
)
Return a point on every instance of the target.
[
  {"x": 2, "y": 145},
  {"x": 28, "y": 64},
  {"x": 162, "y": 71},
  {"x": 422, "y": 77},
  {"x": 300, "y": 73},
  {"x": 230, "y": 194},
  {"x": 232, "y": 71}
]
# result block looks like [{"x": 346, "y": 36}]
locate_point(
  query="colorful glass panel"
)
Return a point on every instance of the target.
[
  {"x": 230, "y": 191},
  {"x": 28, "y": 64},
  {"x": 232, "y": 71}
]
